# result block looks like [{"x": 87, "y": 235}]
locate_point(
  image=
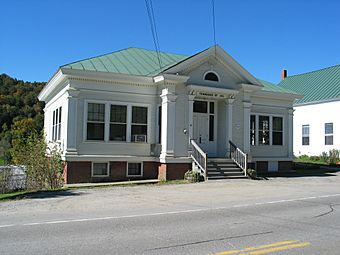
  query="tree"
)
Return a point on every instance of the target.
[{"x": 43, "y": 164}]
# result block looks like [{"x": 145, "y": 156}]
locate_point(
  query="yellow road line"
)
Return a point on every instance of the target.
[
  {"x": 270, "y": 245},
  {"x": 290, "y": 244},
  {"x": 281, "y": 248}
]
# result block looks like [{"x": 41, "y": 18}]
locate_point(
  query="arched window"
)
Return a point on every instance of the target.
[{"x": 211, "y": 77}]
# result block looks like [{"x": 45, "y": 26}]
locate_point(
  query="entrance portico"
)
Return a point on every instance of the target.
[{"x": 210, "y": 118}]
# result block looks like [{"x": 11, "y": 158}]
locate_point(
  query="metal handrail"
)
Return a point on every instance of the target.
[
  {"x": 239, "y": 157},
  {"x": 199, "y": 157}
]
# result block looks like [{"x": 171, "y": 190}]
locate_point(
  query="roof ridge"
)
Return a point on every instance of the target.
[
  {"x": 101, "y": 55},
  {"x": 266, "y": 81},
  {"x": 109, "y": 53},
  {"x": 314, "y": 71}
]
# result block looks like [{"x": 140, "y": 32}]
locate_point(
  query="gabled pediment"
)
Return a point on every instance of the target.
[{"x": 216, "y": 60}]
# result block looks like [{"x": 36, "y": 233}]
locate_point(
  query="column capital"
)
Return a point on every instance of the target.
[
  {"x": 229, "y": 100},
  {"x": 291, "y": 111},
  {"x": 72, "y": 93},
  {"x": 168, "y": 96},
  {"x": 247, "y": 104},
  {"x": 191, "y": 97}
]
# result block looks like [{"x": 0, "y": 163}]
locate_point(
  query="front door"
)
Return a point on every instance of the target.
[
  {"x": 204, "y": 126},
  {"x": 201, "y": 130}
]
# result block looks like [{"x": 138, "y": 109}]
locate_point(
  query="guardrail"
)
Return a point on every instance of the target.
[
  {"x": 200, "y": 158},
  {"x": 238, "y": 156}
]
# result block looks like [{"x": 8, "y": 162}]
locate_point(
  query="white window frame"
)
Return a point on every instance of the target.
[
  {"x": 303, "y": 136},
  {"x": 86, "y": 120},
  {"x": 330, "y": 134},
  {"x": 257, "y": 125},
  {"x": 126, "y": 122},
  {"x": 139, "y": 124},
  {"x": 56, "y": 126},
  {"x": 127, "y": 169},
  {"x": 101, "y": 162},
  {"x": 107, "y": 120},
  {"x": 210, "y": 71}
]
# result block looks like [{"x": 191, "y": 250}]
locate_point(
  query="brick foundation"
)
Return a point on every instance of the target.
[
  {"x": 173, "y": 171},
  {"x": 262, "y": 167},
  {"x": 80, "y": 172},
  {"x": 283, "y": 166}
]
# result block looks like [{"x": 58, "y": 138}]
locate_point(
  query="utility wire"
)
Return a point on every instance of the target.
[
  {"x": 152, "y": 21},
  {"x": 214, "y": 26}
]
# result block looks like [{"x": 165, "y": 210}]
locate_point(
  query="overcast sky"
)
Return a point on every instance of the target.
[{"x": 264, "y": 36}]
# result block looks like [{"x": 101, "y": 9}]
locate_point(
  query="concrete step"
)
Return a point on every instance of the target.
[
  {"x": 226, "y": 177},
  {"x": 220, "y": 160},
  {"x": 223, "y": 168},
  {"x": 234, "y": 170}
]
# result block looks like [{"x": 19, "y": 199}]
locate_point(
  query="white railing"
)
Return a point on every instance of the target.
[
  {"x": 199, "y": 157},
  {"x": 238, "y": 156}
]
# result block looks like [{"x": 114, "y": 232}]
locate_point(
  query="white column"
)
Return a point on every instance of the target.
[
  {"x": 229, "y": 122},
  {"x": 191, "y": 117},
  {"x": 290, "y": 132},
  {"x": 71, "y": 113},
  {"x": 168, "y": 123},
  {"x": 246, "y": 127}
]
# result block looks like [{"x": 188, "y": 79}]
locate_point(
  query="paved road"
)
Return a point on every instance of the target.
[{"x": 277, "y": 216}]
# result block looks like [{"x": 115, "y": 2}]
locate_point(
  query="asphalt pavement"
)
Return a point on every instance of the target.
[{"x": 297, "y": 215}]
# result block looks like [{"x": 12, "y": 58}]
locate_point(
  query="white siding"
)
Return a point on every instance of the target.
[{"x": 316, "y": 115}]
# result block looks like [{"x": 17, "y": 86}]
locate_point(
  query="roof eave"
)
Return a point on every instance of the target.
[
  {"x": 109, "y": 76},
  {"x": 285, "y": 95},
  {"x": 56, "y": 79}
]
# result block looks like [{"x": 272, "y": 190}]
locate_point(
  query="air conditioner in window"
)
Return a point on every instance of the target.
[{"x": 139, "y": 138}]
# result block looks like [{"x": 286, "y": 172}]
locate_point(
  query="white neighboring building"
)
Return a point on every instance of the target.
[
  {"x": 317, "y": 114},
  {"x": 119, "y": 116}
]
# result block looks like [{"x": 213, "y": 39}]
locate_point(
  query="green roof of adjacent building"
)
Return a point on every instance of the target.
[
  {"x": 132, "y": 61},
  {"x": 271, "y": 87},
  {"x": 137, "y": 61},
  {"x": 319, "y": 85}
]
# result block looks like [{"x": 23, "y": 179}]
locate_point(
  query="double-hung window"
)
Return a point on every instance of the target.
[
  {"x": 264, "y": 130},
  {"x": 252, "y": 130},
  {"x": 56, "y": 124},
  {"x": 95, "y": 121},
  {"x": 277, "y": 131},
  {"x": 115, "y": 122},
  {"x": 139, "y": 124},
  {"x": 305, "y": 134},
  {"x": 118, "y": 123},
  {"x": 328, "y": 133}
]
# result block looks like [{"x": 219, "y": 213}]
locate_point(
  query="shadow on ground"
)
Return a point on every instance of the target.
[
  {"x": 17, "y": 195},
  {"x": 307, "y": 170},
  {"x": 51, "y": 194}
]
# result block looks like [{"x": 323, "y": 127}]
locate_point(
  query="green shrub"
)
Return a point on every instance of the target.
[
  {"x": 252, "y": 173},
  {"x": 333, "y": 157},
  {"x": 43, "y": 164},
  {"x": 192, "y": 176}
]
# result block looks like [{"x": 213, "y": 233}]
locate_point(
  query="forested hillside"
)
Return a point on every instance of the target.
[{"x": 18, "y": 104}]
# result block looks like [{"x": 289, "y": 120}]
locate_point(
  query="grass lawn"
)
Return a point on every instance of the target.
[{"x": 13, "y": 195}]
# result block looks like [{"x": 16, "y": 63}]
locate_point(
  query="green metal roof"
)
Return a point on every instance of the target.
[
  {"x": 271, "y": 87},
  {"x": 137, "y": 61},
  {"x": 319, "y": 85},
  {"x": 133, "y": 61}
]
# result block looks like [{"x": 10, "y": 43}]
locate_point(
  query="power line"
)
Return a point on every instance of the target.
[
  {"x": 214, "y": 26},
  {"x": 153, "y": 27}
]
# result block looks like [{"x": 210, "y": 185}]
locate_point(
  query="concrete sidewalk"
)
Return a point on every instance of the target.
[{"x": 101, "y": 184}]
